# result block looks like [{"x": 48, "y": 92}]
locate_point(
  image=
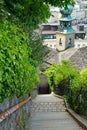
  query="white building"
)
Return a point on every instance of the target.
[
  {"x": 80, "y": 43},
  {"x": 83, "y": 2},
  {"x": 78, "y": 13},
  {"x": 55, "y": 15}
]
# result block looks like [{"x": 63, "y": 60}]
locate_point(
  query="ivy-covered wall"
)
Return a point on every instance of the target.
[{"x": 18, "y": 73}]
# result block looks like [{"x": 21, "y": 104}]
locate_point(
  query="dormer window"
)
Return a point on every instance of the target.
[
  {"x": 65, "y": 24},
  {"x": 69, "y": 25}
]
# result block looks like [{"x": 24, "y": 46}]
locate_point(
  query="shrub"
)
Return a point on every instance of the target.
[
  {"x": 67, "y": 81},
  {"x": 60, "y": 76}
]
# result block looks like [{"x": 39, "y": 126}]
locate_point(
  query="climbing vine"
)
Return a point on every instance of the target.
[{"x": 17, "y": 74}]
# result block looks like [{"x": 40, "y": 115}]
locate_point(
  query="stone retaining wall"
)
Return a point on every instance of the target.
[{"x": 16, "y": 120}]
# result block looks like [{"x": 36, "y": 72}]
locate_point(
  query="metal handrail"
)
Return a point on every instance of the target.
[{"x": 7, "y": 113}]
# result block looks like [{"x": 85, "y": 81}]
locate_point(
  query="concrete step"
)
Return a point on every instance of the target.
[
  {"x": 49, "y": 113},
  {"x": 52, "y": 121},
  {"x": 56, "y": 128}
]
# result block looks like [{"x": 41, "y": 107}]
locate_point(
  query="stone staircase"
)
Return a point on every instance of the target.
[
  {"x": 47, "y": 103},
  {"x": 49, "y": 113}
]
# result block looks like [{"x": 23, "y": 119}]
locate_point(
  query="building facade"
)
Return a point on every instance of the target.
[{"x": 49, "y": 30}]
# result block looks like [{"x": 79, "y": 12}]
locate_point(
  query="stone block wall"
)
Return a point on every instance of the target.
[{"x": 18, "y": 119}]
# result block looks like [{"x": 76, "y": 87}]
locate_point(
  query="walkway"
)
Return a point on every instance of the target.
[{"x": 49, "y": 113}]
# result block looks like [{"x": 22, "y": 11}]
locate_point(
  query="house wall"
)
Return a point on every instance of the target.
[
  {"x": 68, "y": 37},
  {"x": 50, "y": 43},
  {"x": 61, "y": 39},
  {"x": 67, "y": 40}
]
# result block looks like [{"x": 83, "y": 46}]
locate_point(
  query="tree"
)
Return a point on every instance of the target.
[
  {"x": 19, "y": 19},
  {"x": 39, "y": 51},
  {"x": 60, "y": 3},
  {"x": 31, "y": 12},
  {"x": 28, "y": 14}
]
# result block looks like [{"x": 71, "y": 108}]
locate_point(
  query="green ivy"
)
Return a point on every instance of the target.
[{"x": 17, "y": 74}]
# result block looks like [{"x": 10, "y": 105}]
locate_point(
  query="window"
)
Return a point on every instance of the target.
[
  {"x": 78, "y": 45},
  {"x": 83, "y": 45},
  {"x": 51, "y": 46},
  {"x": 60, "y": 42},
  {"x": 70, "y": 40},
  {"x": 54, "y": 36},
  {"x": 65, "y": 24},
  {"x": 46, "y": 27},
  {"x": 69, "y": 24},
  {"x": 49, "y": 36}
]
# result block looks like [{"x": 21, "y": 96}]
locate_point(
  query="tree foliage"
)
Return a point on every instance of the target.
[
  {"x": 28, "y": 14},
  {"x": 39, "y": 51},
  {"x": 61, "y": 76},
  {"x": 66, "y": 80},
  {"x": 18, "y": 20},
  {"x": 31, "y": 12},
  {"x": 60, "y": 3}
]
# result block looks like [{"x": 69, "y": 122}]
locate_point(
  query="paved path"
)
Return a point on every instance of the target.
[{"x": 49, "y": 113}]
